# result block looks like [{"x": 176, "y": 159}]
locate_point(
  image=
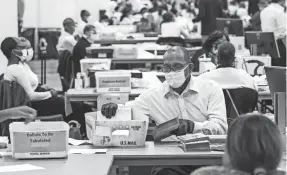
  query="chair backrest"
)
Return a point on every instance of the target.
[
  {"x": 172, "y": 41},
  {"x": 12, "y": 95},
  {"x": 245, "y": 101}
]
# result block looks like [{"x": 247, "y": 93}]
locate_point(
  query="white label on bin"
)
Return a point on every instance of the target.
[
  {"x": 106, "y": 82},
  {"x": 46, "y": 141},
  {"x": 102, "y": 55}
]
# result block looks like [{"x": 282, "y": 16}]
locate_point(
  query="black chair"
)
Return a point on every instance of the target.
[
  {"x": 239, "y": 101},
  {"x": 66, "y": 70},
  {"x": 172, "y": 41}
]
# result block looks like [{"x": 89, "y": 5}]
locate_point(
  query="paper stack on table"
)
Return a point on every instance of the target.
[{"x": 15, "y": 168}]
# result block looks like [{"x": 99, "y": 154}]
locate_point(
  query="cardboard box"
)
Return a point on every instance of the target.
[
  {"x": 121, "y": 98},
  {"x": 95, "y": 64},
  {"x": 117, "y": 133},
  {"x": 125, "y": 52},
  {"x": 107, "y": 82},
  {"x": 123, "y": 114},
  {"x": 38, "y": 140}
]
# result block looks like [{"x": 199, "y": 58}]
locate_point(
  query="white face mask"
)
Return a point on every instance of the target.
[
  {"x": 175, "y": 79},
  {"x": 30, "y": 54},
  {"x": 23, "y": 56}
]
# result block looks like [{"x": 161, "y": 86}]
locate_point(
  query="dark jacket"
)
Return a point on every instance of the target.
[
  {"x": 79, "y": 52},
  {"x": 209, "y": 10},
  {"x": 12, "y": 95}
]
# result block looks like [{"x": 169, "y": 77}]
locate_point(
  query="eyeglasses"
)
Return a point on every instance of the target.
[{"x": 174, "y": 68}]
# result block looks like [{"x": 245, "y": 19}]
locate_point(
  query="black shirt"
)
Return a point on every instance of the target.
[{"x": 79, "y": 52}]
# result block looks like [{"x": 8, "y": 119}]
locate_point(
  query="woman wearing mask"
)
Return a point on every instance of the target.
[
  {"x": 254, "y": 147},
  {"x": 44, "y": 100}
]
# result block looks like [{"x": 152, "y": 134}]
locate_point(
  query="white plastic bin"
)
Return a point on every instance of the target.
[{"x": 39, "y": 140}]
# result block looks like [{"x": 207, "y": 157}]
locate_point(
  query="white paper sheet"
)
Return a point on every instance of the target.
[
  {"x": 87, "y": 151},
  {"x": 15, "y": 168},
  {"x": 75, "y": 142},
  {"x": 5, "y": 153}
]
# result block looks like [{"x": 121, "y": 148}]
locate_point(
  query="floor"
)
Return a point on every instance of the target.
[{"x": 53, "y": 79}]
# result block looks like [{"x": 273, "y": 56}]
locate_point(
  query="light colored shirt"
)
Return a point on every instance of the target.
[
  {"x": 66, "y": 42},
  {"x": 273, "y": 19},
  {"x": 230, "y": 78},
  {"x": 171, "y": 29},
  {"x": 80, "y": 28},
  {"x": 22, "y": 74},
  {"x": 202, "y": 102}
]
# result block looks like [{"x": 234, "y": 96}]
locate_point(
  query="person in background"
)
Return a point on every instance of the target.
[
  {"x": 253, "y": 7},
  {"x": 104, "y": 22},
  {"x": 127, "y": 15},
  {"x": 147, "y": 15},
  {"x": 255, "y": 21},
  {"x": 209, "y": 10},
  {"x": 179, "y": 97},
  {"x": 67, "y": 40},
  {"x": 145, "y": 26},
  {"x": 170, "y": 28},
  {"x": 226, "y": 75},
  {"x": 210, "y": 46},
  {"x": 85, "y": 19},
  {"x": 273, "y": 19},
  {"x": 159, "y": 17},
  {"x": 79, "y": 51},
  {"x": 242, "y": 11},
  {"x": 22, "y": 112},
  {"x": 184, "y": 20},
  {"x": 232, "y": 8},
  {"x": 254, "y": 146}
]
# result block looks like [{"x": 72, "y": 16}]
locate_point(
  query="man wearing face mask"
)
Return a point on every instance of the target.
[
  {"x": 198, "y": 104},
  {"x": 79, "y": 51}
]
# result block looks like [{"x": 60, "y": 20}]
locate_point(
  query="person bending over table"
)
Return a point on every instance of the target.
[
  {"x": 226, "y": 75},
  {"x": 22, "y": 112},
  {"x": 199, "y": 104},
  {"x": 254, "y": 147},
  {"x": 45, "y": 100},
  {"x": 210, "y": 47}
]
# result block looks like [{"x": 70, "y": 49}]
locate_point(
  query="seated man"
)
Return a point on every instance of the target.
[
  {"x": 199, "y": 104},
  {"x": 226, "y": 75}
]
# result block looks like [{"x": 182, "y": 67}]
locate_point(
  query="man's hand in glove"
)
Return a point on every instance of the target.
[
  {"x": 109, "y": 110},
  {"x": 185, "y": 127}
]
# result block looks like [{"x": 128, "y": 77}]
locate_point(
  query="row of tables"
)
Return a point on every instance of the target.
[{"x": 103, "y": 164}]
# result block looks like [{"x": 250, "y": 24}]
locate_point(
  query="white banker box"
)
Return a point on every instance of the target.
[
  {"x": 114, "y": 81},
  {"x": 38, "y": 140}
]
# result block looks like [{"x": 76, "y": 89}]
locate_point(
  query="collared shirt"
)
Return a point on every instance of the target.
[
  {"x": 202, "y": 102},
  {"x": 230, "y": 78},
  {"x": 273, "y": 19},
  {"x": 66, "y": 42}
]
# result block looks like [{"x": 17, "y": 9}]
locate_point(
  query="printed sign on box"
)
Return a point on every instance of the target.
[
  {"x": 113, "y": 82},
  {"x": 39, "y": 140}
]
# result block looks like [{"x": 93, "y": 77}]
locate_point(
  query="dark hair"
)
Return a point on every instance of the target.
[
  {"x": 226, "y": 54},
  {"x": 143, "y": 10},
  {"x": 84, "y": 13},
  {"x": 275, "y": 1},
  {"x": 212, "y": 38},
  {"x": 253, "y": 142},
  {"x": 7, "y": 45},
  {"x": 167, "y": 17},
  {"x": 126, "y": 11},
  {"x": 174, "y": 11},
  {"x": 183, "y": 50},
  {"x": 89, "y": 28},
  {"x": 105, "y": 17}
]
